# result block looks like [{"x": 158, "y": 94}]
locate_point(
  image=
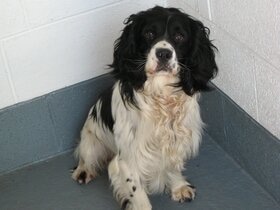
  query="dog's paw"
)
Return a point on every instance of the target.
[
  {"x": 82, "y": 176},
  {"x": 184, "y": 193},
  {"x": 129, "y": 205}
]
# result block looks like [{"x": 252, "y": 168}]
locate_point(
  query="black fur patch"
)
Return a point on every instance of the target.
[
  {"x": 124, "y": 204},
  {"x": 189, "y": 200},
  {"x": 105, "y": 100},
  {"x": 82, "y": 176},
  {"x": 94, "y": 112},
  {"x": 191, "y": 186}
]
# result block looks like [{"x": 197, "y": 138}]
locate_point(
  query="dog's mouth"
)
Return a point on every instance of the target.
[{"x": 165, "y": 67}]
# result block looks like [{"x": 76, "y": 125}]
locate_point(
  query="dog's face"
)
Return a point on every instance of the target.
[{"x": 163, "y": 41}]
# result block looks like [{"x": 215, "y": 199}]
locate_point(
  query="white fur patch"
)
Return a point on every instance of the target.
[
  {"x": 150, "y": 144},
  {"x": 153, "y": 62}
]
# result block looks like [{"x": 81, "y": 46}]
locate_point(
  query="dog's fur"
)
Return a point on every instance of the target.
[{"x": 148, "y": 123}]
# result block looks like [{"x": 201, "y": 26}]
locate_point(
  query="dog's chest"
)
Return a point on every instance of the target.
[
  {"x": 169, "y": 134},
  {"x": 166, "y": 140},
  {"x": 163, "y": 137}
]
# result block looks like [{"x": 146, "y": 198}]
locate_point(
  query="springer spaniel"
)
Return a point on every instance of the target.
[{"x": 148, "y": 123}]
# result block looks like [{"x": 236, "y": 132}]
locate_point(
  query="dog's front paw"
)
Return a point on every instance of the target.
[
  {"x": 82, "y": 176},
  {"x": 130, "y": 205},
  {"x": 184, "y": 193}
]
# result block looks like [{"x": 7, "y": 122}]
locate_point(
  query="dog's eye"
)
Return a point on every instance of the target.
[
  {"x": 179, "y": 37},
  {"x": 149, "y": 35}
]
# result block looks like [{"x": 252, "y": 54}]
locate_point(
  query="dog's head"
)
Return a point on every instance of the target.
[{"x": 164, "y": 41}]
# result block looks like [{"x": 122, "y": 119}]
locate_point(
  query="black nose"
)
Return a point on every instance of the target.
[{"x": 163, "y": 54}]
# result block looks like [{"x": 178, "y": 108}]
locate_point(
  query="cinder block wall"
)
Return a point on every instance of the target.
[
  {"x": 247, "y": 35},
  {"x": 48, "y": 44}
]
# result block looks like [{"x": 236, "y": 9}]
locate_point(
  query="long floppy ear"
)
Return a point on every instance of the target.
[
  {"x": 124, "y": 45},
  {"x": 201, "y": 65},
  {"x": 125, "y": 64}
]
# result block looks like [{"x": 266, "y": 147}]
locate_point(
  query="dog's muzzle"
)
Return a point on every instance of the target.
[{"x": 162, "y": 58}]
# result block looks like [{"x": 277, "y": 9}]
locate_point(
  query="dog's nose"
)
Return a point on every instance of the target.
[{"x": 163, "y": 54}]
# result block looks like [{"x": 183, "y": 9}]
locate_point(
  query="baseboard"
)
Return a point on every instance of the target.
[
  {"x": 255, "y": 149},
  {"x": 49, "y": 125}
]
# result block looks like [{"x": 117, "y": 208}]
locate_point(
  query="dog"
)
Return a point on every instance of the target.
[{"x": 147, "y": 125}]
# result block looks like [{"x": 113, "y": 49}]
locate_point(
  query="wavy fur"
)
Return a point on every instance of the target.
[{"x": 148, "y": 124}]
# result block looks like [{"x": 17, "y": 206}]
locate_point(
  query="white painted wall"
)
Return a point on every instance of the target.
[
  {"x": 247, "y": 33},
  {"x": 46, "y": 45}
]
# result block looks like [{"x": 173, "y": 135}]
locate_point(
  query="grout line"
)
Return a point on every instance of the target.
[
  {"x": 244, "y": 45},
  {"x": 209, "y": 10},
  {"x": 244, "y": 170},
  {"x": 236, "y": 39},
  {"x": 26, "y": 19},
  {"x": 49, "y": 94},
  {"x": 37, "y": 162},
  {"x": 226, "y": 97},
  {"x": 61, "y": 20},
  {"x": 224, "y": 119},
  {"x": 59, "y": 143},
  {"x": 197, "y": 9},
  {"x": 8, "y": 72},
  {"x": 256, "y": 88}
]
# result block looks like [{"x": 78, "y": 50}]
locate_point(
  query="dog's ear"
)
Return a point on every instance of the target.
[
  {"x": 126, "y": 59},
  {"x": 200, "y": 64},
  {"x": 125, "y": 45}
]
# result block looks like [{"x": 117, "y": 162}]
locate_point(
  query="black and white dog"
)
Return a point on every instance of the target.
[{"x": 148, "y": 123}]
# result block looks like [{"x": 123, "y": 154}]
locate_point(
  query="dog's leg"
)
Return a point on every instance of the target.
[
  {"x": 180, "y": 189},
  {"x": 127, "y": 187},
  {"x": 92, "y": 154}
]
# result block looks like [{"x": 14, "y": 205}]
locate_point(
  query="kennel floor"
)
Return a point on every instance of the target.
[{"x": 221, "y": 185}]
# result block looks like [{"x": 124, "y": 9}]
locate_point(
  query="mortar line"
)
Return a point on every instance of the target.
[
  {"x": 8, "y": 72},
  {"x": 61, "y": 20}
]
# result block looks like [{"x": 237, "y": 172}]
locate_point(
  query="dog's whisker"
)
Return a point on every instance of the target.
[
  {"x": 184, "y": 67},
  {"x": 139, "y": 68},
  {"x": 136, "y": 60}
]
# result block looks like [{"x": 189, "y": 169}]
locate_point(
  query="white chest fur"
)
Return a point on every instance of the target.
[{"x": 162, "y": 134}]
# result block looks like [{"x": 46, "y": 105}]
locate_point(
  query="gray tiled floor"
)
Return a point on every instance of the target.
[{"x": 221, "y": 184}]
